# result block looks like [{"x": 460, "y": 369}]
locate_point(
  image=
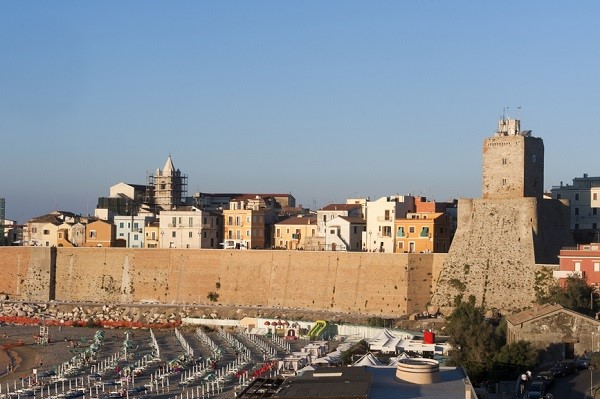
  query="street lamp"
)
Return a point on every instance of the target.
[
  {"x": 592, "y": 369},
  {"x": 370, "y": 233}
]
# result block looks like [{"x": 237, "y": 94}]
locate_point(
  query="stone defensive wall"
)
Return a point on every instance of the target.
[
  {"x": 500, "y": 250},
  {"x": 366, "y": 283}
]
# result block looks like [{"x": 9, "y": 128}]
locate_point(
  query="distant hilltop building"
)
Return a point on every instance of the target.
[
  {"x": 504, "y": 238},
  {"x": 169, "y": 186}
]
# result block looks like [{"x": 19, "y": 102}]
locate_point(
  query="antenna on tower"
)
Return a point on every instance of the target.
[{"x": 518, "y": 111}]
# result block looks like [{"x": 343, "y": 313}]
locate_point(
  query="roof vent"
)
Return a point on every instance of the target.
[{"x": 419, "y": 371}]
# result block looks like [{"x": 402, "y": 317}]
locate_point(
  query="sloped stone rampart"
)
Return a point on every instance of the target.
[
  {"x": 497, "y": 249},
  {"x": 367, "y": 283}
]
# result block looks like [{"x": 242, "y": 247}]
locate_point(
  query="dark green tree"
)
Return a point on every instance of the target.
[
  {"x": 514, "y": 358},
  {"x": 576, "y": 295},
  {"x": 473, "y": 340}
]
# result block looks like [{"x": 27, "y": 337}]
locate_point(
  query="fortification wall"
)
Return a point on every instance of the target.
[
  {"x": 26, "y": 272},
  {"x": 494, "y": 251},
  {"x": 368, "y": 283}
]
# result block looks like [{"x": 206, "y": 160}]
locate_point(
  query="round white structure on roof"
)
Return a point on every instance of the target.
[{"x": 418, "y": 370}]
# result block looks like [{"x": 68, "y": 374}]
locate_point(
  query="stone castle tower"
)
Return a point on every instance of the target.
[
  {"x": 504, "y": 238},
  {"x": 513, "y": 163},
  {"x": 169, "y": 186}
]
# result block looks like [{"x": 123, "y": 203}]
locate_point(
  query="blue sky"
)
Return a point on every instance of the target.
[{"x": 323, "y": 99}]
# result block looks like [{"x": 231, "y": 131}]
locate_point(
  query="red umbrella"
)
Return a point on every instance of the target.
[{"x": 267, "y": 323}]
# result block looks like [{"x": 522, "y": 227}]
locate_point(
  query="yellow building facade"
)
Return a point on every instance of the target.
[
  {"x": 294, "y": 233},
  {"x": 244, "y": 222}
]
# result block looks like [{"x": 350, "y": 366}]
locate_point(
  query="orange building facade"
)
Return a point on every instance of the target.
[{"x": 423, "y": 232}]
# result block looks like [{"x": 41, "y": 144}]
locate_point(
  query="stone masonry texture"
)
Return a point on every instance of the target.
[{"x": 390, "y": 285}]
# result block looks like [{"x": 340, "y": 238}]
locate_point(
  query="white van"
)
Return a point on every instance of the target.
[{"x": 233, "y": 244}]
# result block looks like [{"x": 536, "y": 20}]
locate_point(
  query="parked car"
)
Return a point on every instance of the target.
[
  {"x": 563, "y": 368},
  {"x": 545, "y": 376},
  {"x": 538, "y": 386},
  {"x": 583, "y": 362}
]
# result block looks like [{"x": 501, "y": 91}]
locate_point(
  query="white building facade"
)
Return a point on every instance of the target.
[
  {"x": 381, "y": 215},
  {"x": 584, "y": 197},
  {"x": 190, "y": 227},
  {"x": 344, "y": 233},
  {"x": 130, "y": 230}
]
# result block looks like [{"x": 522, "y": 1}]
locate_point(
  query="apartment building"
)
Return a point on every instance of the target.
[
  {"x": 381, "y": 216},
  {"x": 99, "y": 233},
  {"x": 130, "y": 230},
  {"x": 582, "y": 261},
  {"x": 584, "y": 198},
  {"x": 294, "y": 232},
  {"x": 190, "y": 227},
  {"x": 246, "y": 221},
  {"x": 345, "y": 233},
  {"x": 424, "y": 232}
]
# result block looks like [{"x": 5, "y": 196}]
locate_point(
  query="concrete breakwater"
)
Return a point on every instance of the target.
[{"x": 379, "y": 284}]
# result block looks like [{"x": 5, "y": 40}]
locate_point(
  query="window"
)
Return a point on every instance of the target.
[
  {"x": 558, "y": 196},
  {"x": 173, "y": 234},
  {"x": 576, "y": 196},
  {"x": 204, "y": 220},
  {"x": 354, "y": 229},
  {"x": 387, "y": 231},
  {"x": 190, "y": 234},
  {"x": 597, "y": 266},
  {"x": 121, "y": 234},
  {"x": 34, "y": 230},
  {"x": 60, "y": 234},
  {"x": 135, "y": 226},
  {"x": 191, "y": 222},
  {"x": 204, "y": 234},
  {"x": 400, "y": 245},
  {"x": 287, "y": 231},
  {"x": 92, "y": 233},
  {"x": 400, "y": 231},
  {"x": 331, "y": 231},
  {"x": 230, "y": 220},
  {"x": 387, "y": 214},
  {"x": 503, "y": 161},
  {"x": 121, "y": 225},
  {"x": 577, "y": 266},
  {"x": 46, "y": 232},
  {"x": 135, "y": 237},
  {"x": 576, "y": 211},
  {"x": 173, "y": 221},
  {"x": 247, "y": 233},
  {"x": 504, "y": 182},
  {"x": 595, "y": 196},
  {"x": 278, "y": 233},
  {"x": 238, "y": 221},
  {"x": 248, "y": 219},
  {"x": 411, "y": 229},
  {"x": 425, "y": 231},
  {"x": 594, "y": 226},
  {"x": 594, "y": 211}
]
